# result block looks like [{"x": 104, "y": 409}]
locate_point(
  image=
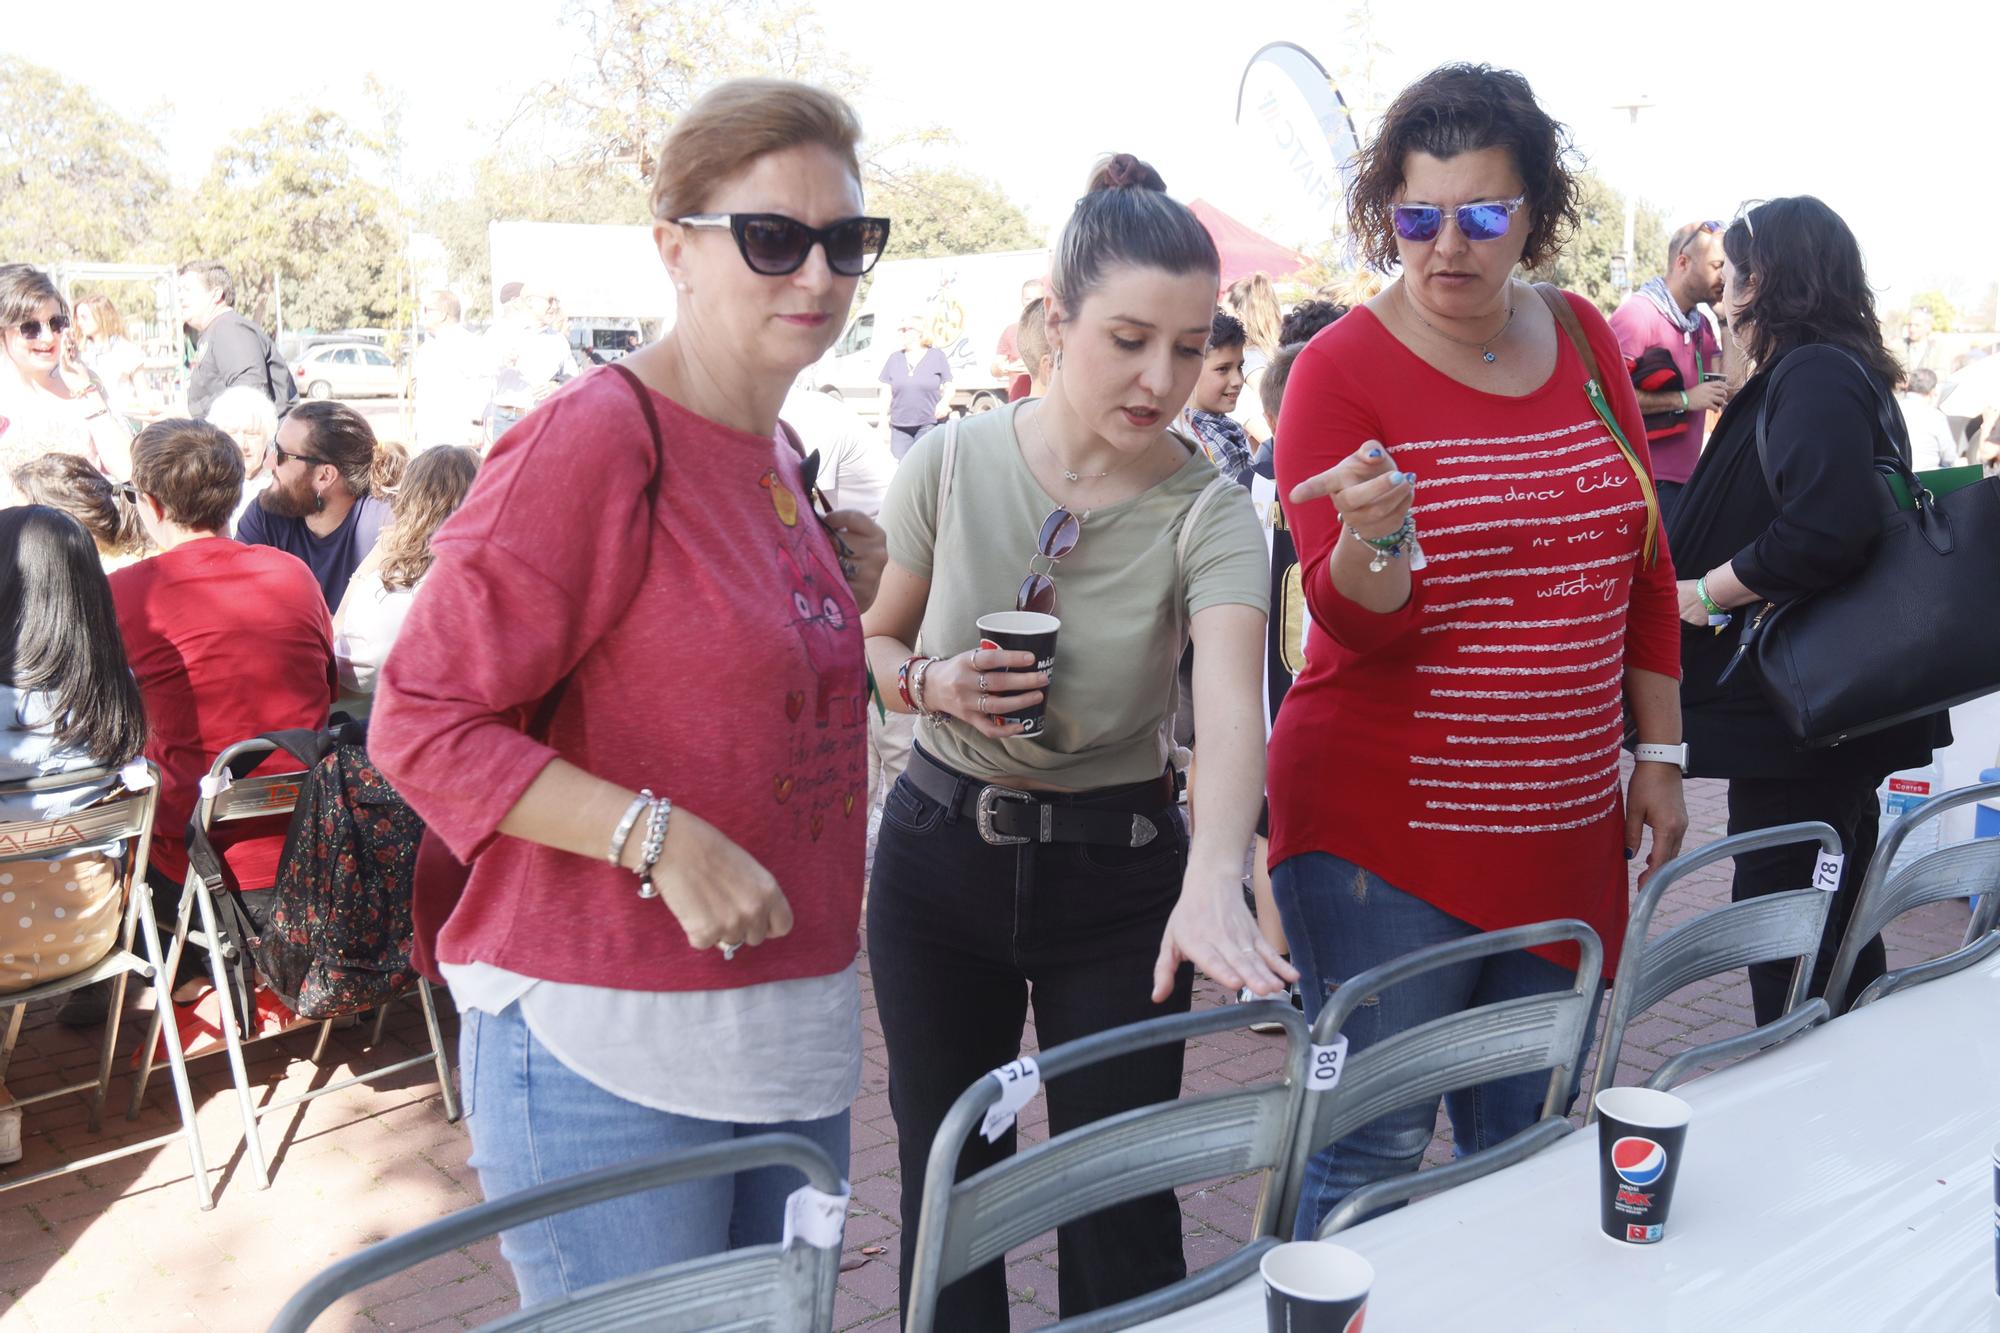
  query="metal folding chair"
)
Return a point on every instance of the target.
[
  {"x": 128, "y": 819},
  {"x": 1962, "y": 870},
  {"x": 1757, "y": 930},
  {"x": 1493, "y": 1041},
  {"x": 968, "y": 1224},
  {"x": 259, "y": 797},
  {"x": 758, "y": 1289}
]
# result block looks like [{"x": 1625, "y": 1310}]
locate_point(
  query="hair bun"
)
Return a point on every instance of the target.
[{"x": 1122, "y": 171}]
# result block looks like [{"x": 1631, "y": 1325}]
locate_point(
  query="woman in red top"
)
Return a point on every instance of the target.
[
  {"x": 1487, "y": 588},
  {"x": 645, "y": 549}
]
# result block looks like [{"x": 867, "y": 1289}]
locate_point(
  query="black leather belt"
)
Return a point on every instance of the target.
[{"x": 1010, "y": 816}]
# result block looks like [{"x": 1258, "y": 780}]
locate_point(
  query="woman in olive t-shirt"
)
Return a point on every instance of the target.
[{"x": 1058, "y": 862}]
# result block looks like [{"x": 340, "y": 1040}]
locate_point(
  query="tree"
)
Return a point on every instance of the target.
[
  {"x": 942, "y": 211},
  {"x": 1944, "y": 315},
  {"x": 1583, "y": 265},
  {"x": 289, "y": 199},
  {"x": 76, "y": 178}
]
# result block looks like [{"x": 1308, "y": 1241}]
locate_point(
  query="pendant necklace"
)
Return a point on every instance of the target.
[
  {"x": 1486, "y": 353},
  {"x": 1069, "y": 474}
]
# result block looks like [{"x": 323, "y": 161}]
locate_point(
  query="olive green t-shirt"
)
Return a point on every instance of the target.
[{"x": 1124, "y": 614}]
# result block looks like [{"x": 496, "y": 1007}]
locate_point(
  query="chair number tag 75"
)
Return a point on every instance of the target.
[
  {"x": 815, "y": 1217},
  {"x": 1327, "y": 1062},
  {"x": 1018, "y": 1081}
]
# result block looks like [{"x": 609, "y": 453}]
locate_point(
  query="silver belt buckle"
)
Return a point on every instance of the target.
[{"x": 989, "y": 800}]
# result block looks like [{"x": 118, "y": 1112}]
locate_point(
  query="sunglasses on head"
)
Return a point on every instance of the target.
[
  {"x": 1484, "y": 220},
  {"x": 31, "y": 329},
  {"x": 775, "y": 245},
  {"x": 1060, "y": 532}
]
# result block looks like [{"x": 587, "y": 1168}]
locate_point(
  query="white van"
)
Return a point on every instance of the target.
[{"x": 965, "y": 301}]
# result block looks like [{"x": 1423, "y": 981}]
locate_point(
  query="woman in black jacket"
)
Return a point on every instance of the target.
[{"x": 1803, "y": 519}]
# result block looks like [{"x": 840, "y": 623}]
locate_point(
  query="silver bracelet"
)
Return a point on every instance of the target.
[
  {"x": 658, "y": 813},
  {"x": 623, "y": 833}
]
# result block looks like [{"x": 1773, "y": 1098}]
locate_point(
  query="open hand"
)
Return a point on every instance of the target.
[{"x": 1211, "y": 928}]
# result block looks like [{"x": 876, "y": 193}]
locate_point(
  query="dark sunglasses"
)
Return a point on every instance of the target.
[
  {"x": 809, "y": 479},
  {"x": 31, "y": 329},
  {"x": 774, "y": 245},
  {"x": 1486, "y": 220},
  {"x": 279, "y": 450},
  {"x": 1060, "y": 531}
]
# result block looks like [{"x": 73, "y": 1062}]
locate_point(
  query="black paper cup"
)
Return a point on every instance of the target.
[
  {"x": 1023, "y": 632},
  {"x": 1315, "y": 1286},
  {"x": 1640, "y": 1132}
]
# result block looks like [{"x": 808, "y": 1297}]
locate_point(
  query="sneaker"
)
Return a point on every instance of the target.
[
  {"x": 1267, "y": 1025},
  {"x": 86, "y": 1008},
  {"x": 10, "y": 1135}
]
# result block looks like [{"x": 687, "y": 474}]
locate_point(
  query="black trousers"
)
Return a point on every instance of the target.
[
  {"x": 1850, "y": 805},
  {"x": 960, "y": 934}
]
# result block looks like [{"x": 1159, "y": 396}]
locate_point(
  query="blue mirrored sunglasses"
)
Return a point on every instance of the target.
[{"x": 1485, "y": 220}]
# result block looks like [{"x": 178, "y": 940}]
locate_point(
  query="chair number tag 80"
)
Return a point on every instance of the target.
[
  {"x": 1826, "y": 873},
  {"x": 1327, "y": 1062},
  {"x": 1018, "y": 1081}
]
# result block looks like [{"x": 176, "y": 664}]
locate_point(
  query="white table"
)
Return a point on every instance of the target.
[{"x": 1841, "y": 1182}]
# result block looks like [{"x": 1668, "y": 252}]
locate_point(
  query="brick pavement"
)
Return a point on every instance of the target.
[{"x": 123, "y": 1246}]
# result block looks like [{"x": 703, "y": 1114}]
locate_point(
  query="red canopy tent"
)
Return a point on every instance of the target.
[{"x": 1244, "y": 250}]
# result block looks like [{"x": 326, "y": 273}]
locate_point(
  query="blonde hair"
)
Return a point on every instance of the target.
[
  {"x": 433, "y": 488},
  {"x": 110, "y": 324},
  {"x": 735, "y": 123},
  {"x": 1255, "y": 302}
]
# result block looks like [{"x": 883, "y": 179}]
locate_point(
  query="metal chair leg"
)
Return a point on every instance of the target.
[
  {"x": 319, "y": 1045},
  {"x": 111, "y": 1020},
  {"x": 176, "y": 1058},
  {"x": 428, "y": 1004},
  {"x": 381, "y": 1021},
  {"x": 163, "y": 996},
  {"x": 232, "y": 1035}
]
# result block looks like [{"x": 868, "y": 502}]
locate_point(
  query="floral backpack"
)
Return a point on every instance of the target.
[{"x": 336, "y": 939}]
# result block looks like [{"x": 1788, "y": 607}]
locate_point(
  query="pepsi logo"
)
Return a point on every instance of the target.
[{"x": 1638, "y": 1162}]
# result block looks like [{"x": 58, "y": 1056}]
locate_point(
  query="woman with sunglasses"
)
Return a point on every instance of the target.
[
  {"x": 1491, "y": 603},
  {"x": 48, "y": 402},
  {"x": 1780, "y": 519},
  {"x": 1058, "y": 861},
  {"x": 633, "y": 689}
]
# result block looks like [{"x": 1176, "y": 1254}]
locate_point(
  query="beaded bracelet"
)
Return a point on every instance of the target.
[
  {"x": 903, "y": 681},
  {"x": 918, "y": 676},
  {"x": 1401, "y": 542},
  {"x": 660, "y": 811}
]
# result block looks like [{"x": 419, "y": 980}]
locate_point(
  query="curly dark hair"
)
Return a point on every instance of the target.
[
  {"x": 1461, "y": 109},
  {"x": 1810, "y": 284}
]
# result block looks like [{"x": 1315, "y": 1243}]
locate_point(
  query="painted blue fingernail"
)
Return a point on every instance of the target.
[
  {"x": 1374, "y": 451},
  {"x": 1631, "y": 852}
]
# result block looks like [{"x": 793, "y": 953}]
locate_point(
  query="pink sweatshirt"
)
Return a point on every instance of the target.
[{"x": 714, "y": 655}]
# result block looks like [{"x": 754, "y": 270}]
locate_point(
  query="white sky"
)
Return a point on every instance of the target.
[{"x": 1895, "y": 122}]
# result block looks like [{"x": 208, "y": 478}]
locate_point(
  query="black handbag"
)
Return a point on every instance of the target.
[{"x": 1915, "y": 630}]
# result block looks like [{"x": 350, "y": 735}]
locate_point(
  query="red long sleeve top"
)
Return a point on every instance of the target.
[
  {"x": 1465, "y": 748},
  {"x": 712, "y": 652}
]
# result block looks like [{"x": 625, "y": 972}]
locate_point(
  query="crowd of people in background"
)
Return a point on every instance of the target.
[{"x": 1382, "y": 530}]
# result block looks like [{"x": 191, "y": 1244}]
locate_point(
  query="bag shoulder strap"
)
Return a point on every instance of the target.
[
  {"x": 1201, "y": 502},
  {"x": 946, "y": 466},
  {"x": 1895, "y": 432},
  {"x": 1565, "y": 317},
  {"x": 1566, "y": 320}
]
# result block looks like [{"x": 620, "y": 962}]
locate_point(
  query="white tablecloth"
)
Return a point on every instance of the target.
[{"x": 1841, "y": 1182}]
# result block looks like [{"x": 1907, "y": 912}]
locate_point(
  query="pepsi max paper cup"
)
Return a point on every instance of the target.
[
  {"x": 1023, "y": 632},
  {"x": 1315, "y": 1286},
  {"x": 1639, "y": 1137}
]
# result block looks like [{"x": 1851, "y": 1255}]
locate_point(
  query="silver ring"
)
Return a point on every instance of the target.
[
  {"x": 982, "y": 682},
  {"x": 982, "y": 705},
  {"x": 729, "y": 950}
]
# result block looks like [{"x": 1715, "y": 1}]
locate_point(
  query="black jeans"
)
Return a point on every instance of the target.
[
  {"x": 1850, "y": 805},
  {"x": 959, "y": 931}
]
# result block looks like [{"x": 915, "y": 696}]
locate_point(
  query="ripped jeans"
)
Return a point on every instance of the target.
[{"x": 1342, "y": 920}]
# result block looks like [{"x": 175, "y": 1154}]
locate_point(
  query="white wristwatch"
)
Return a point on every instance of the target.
[{"x": 1677, "y": 755}]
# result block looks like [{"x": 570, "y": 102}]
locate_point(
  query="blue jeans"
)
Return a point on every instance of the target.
[
  {"x": 1342, "y": 920},
  {"x": 533, "y": 1120}
]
